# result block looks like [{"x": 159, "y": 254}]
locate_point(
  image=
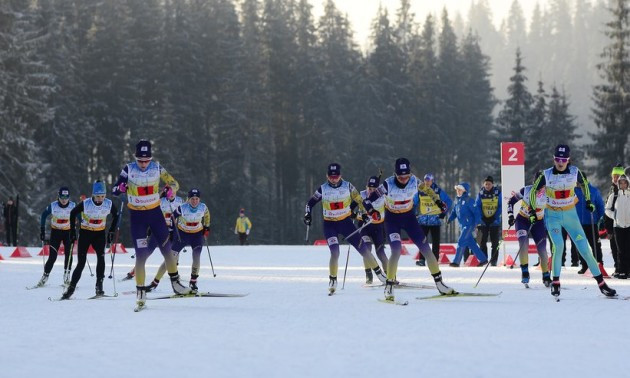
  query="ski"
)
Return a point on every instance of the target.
[
  {"x": 127, "y": 278},
  {"x": 34, "y": 287},
  {"x": 139, "y": 308},
  {"x": 439, "y": 296},
  {"x": 394, "y": 302},
  {"x": 57, "y": 299},
  {"x": 199, "y": 295},
  {"x": 103, "y": 296},
  {"x": 402, "y": 286},
  {"x": 526, "y": 285}
]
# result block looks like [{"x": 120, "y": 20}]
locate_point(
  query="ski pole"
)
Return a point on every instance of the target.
[
  {"x": 343, "y": 285},
  {"x": 113, "y": 248},
  {"x": 210, "y": 257},
  {"x": 308, "y": 227},
  {"x": 89, "y": 267},
  {"x": 594, "y": 240},
  {"x": 488, "y": 264}
]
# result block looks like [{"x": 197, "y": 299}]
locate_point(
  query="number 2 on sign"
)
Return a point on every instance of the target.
[{"x": 512, "y": 151}]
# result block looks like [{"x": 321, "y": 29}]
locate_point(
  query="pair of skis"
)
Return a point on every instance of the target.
[{"x": 440, "y": 296}]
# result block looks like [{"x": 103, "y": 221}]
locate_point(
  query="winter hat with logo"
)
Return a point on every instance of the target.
[
  {"x": 562, "y": 151},
  {"x": 64, "y": 192},
  {"x": 98, "y": 188},
  {"x": 618, "y": 170},
  {"x": 143, "y": 150},
  {"x": 402, "y": 167},
  {"x": 373, "y": 182},
  {"x": 194, "y": 192},
  {"x": 334, "y": 169}
]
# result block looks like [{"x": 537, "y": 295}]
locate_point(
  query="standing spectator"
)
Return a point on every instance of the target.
[
  {"x": 618, "y": 209},
  {"x": 243, "y": 227},
  {"x": 589, "y": 223},
  {"x": 489, "y": 202},
  {"x": 11, "y": 221},
  {"x": 430, "y": 215},
  {"x": 608, "y": 227},
  {"x": 468, "y": 217}
]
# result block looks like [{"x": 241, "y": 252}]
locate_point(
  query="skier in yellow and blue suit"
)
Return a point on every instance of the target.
[{"x": 560, "y": 181}]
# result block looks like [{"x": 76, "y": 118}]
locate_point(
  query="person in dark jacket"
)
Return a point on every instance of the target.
[{"x": 489, "y": 203}]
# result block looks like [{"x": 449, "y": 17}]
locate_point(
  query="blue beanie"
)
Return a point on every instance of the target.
[{"x": 98, "y": 188}]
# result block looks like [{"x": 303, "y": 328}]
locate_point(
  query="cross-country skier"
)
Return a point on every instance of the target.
[
  {"x": 141, "y": 181},
  {"x": 399, "y": 192},
  {"x": 93, "y": 219},
  {"x": 374, "y": 233},
  {"x": 337, "y": 196},
  {"x": 489, "y": 203},
  {"x": 560, "y": 181},
  {"x": 468, "y": 216},
  {"x": 167, "y": 205},
  {"x": 524, "y": 228},
  {"x": 59, "y": 232},
  {"x": 193, "y": 226}
]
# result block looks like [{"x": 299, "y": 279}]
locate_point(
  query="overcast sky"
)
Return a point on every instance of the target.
[{"x": 362, "y": 12}]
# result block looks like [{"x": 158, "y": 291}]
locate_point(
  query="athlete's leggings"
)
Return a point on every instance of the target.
[
  {"x": 466, "y": 240},
  {"x": 375, "y": 234},
  {"x": 56, "y": 238},
  {"x": 97, "y": 240},
  {"x": 141, "y": 220},
  {"x": 345, "y": 227},
  {"x": 394, "y": 224},
  {"x": 195, "y": 241},
  {"x": 537, "y": 232},
  {"x": 555, "y": 220}
]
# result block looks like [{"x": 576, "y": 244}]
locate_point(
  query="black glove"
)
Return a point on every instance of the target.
[
  {"x": 532, "y": 215},
  {"x": 365, "y": 218},
  {"x": 73, "y": 235},
  {"x": 110, "y": 237},
  {"x": 511, "y": 220},
  {"x": 42, "y": 234},
  {"x": 206, "y": 231},
  {"x": 442, "y": 215},
  {"x": 589, "y": 206},
  {"x": 307, "y": 219}
]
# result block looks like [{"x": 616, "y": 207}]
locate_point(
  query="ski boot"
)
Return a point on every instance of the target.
[
  {"x": 525, "y": 275},
  {"x": 368, "y": 277},
  {"x": 152, "y": 285},
  {"x": 389, "y": 290},
  {"x": 130, "y": 275},
  {"x": 605, "y": 289},
  {"x": 66, "y": 277},
  {"x": 193, "y": 283},
  {"x": 379, "y": 274},
  {"x": 443, "y": 289},
  {"x": 421, "y": 262},
  {"x": 141, "y": 297},
  {"x": 43, "y": 280},
  {"x": 178, "y": 288},
  {"x": 453, "y": 265},
  {"x": 555, "y": 287},
  {"x": 332, "y": 285},
  {"x": 99, "y": 287},
  {"x": 582, "y": 270},
  {"x": 546, "y": 278},
  {"x": 68, "y": 293}
]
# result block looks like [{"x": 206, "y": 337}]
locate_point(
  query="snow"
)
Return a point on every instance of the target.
[{"x": 288, "y": 327}]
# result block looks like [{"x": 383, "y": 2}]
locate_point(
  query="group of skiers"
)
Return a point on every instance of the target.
[
  {"x": 403, "y": 202},
  {"x": 158, "y": 218}
]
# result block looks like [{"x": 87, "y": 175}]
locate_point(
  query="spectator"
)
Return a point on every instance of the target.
[
  {"x": 489, "y": 203},
  {"x": 430, "y": 215},
  {"x": 10, "y": 213},
  {"x": 618, "y": 209},
  {"x": 589, "y": 223},
  {"x": 243, "y": 227}
]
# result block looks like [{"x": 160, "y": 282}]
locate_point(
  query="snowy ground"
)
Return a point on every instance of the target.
[{"x": 289, "y": 327}]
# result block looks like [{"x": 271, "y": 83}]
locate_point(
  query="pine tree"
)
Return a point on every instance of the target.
[
  {"x": 612, "y": 99},
  {"x": 514, "y": 118}
]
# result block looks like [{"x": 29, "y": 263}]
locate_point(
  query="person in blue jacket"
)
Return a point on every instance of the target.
[
  {"x": 589, "y": 223},
  {"x": 489, "y": 204},
  {"x": 468, "y": 217},
  {"x": 430, "y": 215}
]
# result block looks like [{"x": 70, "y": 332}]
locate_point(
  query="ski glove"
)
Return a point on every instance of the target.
[
  {"x": 110, "y": 237},
  {"x": 307, "y": 219},
  {"x": 374, "y": 214},
  {"x": 122, "y": 187},
  {"x": 589, "y": 206},
  {"x": 167, "y": 192},
  {"x": 206, "y": 231},
  {"x": 73, "y": 235},
  {"x": 42, "y": 234},
  {"x": 511, "y": 220},
  {"x": 442, "y": 215},
  {"x": 365, "y": 218}
]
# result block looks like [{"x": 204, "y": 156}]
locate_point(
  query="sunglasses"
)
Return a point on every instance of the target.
[{"x": 561, "y": 160}]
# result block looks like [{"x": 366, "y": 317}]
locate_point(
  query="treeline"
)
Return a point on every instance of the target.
[{"x": 247, "y": 101}]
